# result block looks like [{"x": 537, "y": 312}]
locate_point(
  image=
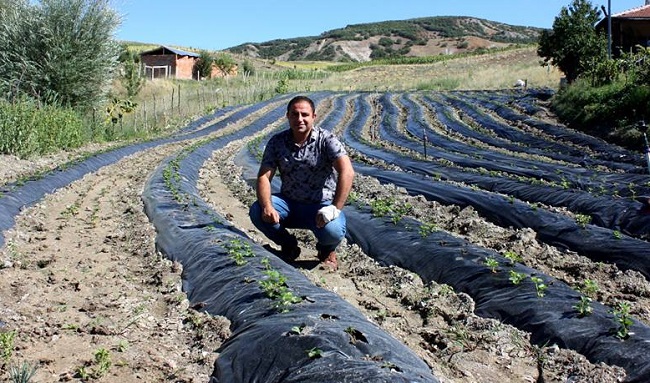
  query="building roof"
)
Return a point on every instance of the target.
[
  {"x": 634, "y": 13},
  {"x": 165, "y": 50}
]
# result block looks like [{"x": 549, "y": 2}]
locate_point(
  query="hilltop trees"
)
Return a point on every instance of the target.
[{"x": 573, "y": 45}]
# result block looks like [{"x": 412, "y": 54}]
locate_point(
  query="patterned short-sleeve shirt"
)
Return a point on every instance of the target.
[{"x": 306, "y": 171}]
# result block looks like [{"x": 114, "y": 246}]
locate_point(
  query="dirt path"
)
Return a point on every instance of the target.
[
  {"x": 89, "y": 299},
  {"x": 88, "y": 296}
]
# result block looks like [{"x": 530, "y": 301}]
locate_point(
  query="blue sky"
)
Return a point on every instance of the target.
[{"x": 215, "y": 24}]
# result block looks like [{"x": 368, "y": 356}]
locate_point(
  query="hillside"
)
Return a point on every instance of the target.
[{"x": 414, "y": 37}]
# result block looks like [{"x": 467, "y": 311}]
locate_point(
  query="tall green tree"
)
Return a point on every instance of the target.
[
  {"x": 131, "y": 78},
  {"x": 573, "y": 44},
  {"x": 17, "y": 42},
  {"x": 58, "y": 51},
  {"x": 203, "y": 66},
  {"x": 225, "y": 63}
]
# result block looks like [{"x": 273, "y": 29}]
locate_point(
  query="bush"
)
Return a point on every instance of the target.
[
  {"x": 247, "y": 68},
  {"x": 58, "y": 51},
  {"x": 28, "y": 129},
  {"x": 611, "y": 111},
  {"x": 203, "y": 66}
]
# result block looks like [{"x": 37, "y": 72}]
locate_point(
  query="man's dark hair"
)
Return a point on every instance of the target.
[{"x": 300, "y": 99}]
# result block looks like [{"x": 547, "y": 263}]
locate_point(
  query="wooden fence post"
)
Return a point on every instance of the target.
[
  {"x": 173, "y": 90},
  {"x": 145, "y": 116}
]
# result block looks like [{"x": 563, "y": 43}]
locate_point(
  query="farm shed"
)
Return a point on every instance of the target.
[
  {"x": 629, "y": 28},
  {"x": 166, "y": 62}
]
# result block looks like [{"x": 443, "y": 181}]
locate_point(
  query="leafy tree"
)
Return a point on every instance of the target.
[
  {"x": 247, "y": 68},
  {"x": 203, "y": 66},
  {"x": 17, "y": 46},
  {"x": 58, "y": 51},
  {"x": 131, "y": 78},
  {"x": 225, "y": 63},
  {"x": 573, "y": 44},
  {"x": 6, "y": 5}
]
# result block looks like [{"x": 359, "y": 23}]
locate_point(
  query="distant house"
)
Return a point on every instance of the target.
[
  {"x": 166, "y": 62},
  {"x": 629, "y": 29}
]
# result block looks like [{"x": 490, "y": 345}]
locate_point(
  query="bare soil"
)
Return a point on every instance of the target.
[{"x": 82, "y": 283}]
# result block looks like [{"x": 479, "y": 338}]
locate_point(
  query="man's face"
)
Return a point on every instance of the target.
[{"x": 301, "y": 118}]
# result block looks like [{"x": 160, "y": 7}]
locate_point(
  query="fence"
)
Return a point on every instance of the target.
[{"x": 183, "y": 99}]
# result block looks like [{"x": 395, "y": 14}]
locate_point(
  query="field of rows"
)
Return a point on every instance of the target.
[{"x": 544, "y": 229}]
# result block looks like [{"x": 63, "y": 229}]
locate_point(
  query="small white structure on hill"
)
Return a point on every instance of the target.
[{"x": 523, "y": 84}]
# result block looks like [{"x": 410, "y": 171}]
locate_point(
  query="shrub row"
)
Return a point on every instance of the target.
[{"x": 28, "y": 129}]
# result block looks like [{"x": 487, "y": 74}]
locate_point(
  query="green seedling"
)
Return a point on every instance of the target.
[
  {"x": 583, "y": 220},
  {"x": 513, "y": 257},
  {"x": 589, "y": 288},
  {"x": 7, "y": 345},
  {"x": 82, "y": 373},
  {"x": 381, "y": 207},
  {"x": 516, "y": 278},
  {"x": 98, "y": 367},
  {"x": 540, "y": 286},
  {"x": 71, "y": 210},
  {"x": 584, "y": 306},
  {"x": 492, "y": 264},
  {"x": 400, "y": 211},
  {"x": 355, "y": 335},
  {"x": 275, "y": 287},
  {"x": 353, "y": 197},
  {"x": 286, "y": 299},
  {"x": 122, "y": 345},
  {"x": 239, "y": 250},
  {"x": 565, "y": 183},
  {"x": 297, "y": 330},
  {"x": 617, "y": 234},
  {"x": 427, "y": 228},
  {"x": 624, "y": 320},
  {"x": 102, "y": 361},
  {"x": 314, "y": 353}
]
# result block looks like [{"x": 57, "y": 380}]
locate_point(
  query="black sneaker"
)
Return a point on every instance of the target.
[{"x": 290, "y": 252}]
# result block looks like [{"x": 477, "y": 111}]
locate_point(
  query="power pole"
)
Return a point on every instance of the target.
[
  {"x": 608, "y": 15},
  {"x": 609, "y": 29}
]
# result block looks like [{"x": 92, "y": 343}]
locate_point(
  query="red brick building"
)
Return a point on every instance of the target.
[
  {"x": 629, "y": 29},
  {"x": 165, "y": 62}
]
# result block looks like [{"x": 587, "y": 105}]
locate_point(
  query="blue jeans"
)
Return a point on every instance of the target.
[{"x": 296, "y": 215}]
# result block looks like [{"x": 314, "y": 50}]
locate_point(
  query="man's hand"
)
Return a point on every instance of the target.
[
  {"x": 326, "y": 214},
  {"x": 270, "y": 215}
]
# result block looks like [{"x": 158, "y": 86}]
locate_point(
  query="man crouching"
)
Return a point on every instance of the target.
[{"x": 316, "y": 175}]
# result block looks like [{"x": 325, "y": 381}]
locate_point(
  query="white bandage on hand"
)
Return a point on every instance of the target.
[{"x": 329, "y": 213}]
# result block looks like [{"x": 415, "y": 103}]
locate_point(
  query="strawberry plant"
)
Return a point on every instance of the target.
[
  {"x": 540, "y": 286},
  {"x": 624, "y": 320},
  {"x": 584, "y": 306},
  {"x": 516, "y": 278}
]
